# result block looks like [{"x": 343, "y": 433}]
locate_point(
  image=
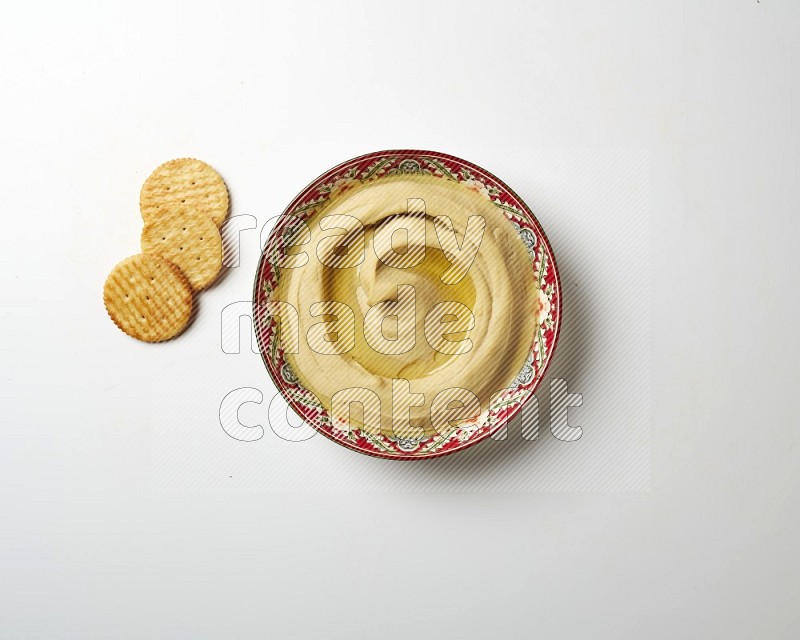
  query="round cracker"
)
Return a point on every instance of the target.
[
  {"x": 190, "y": 242},
  {"x": 148, "y": 298},
  {"x": 184, "y": 184}
]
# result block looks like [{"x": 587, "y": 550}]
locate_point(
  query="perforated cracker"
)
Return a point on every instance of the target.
[
  {"x": 184, "y": 184},
  {"x": 148, "y": 298},
  {"x": 190, "y": 242}
]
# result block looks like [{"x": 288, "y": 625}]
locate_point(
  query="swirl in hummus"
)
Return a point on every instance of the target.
[{"x": 443, "y": 299}]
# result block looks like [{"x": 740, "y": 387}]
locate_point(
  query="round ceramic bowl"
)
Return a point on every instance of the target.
[{"x": 363, "y": 171}]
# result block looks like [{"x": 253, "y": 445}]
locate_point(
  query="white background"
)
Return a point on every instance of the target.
[{"x": 99, "y": 539}]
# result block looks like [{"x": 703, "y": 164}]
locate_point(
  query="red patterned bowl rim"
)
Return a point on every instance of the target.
[{"x": 368, "y": 168}]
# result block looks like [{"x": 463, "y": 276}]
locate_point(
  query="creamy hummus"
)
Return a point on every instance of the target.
[{"x": 385, "y": 256}]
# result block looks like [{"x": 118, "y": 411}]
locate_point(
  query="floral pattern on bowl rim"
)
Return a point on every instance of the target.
[{"x": 368, "y": 168}]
